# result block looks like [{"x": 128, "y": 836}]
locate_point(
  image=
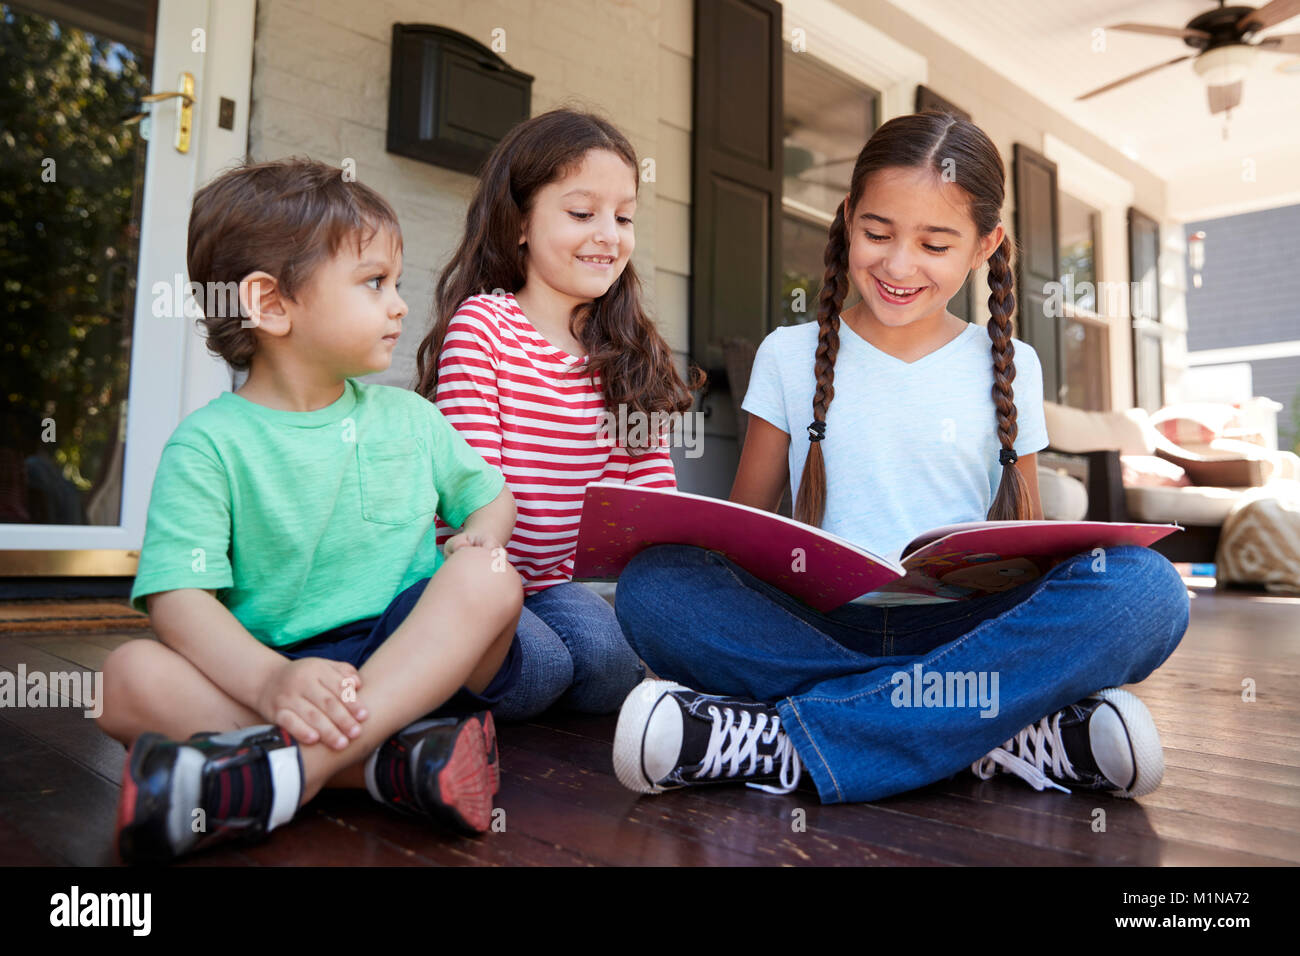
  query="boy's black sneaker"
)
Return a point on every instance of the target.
[
  {"x": 181, "y": 797},
  {"x": 669, "y": 736},
  {"x": 1107, "y": 741},
  {"x": 443, "y": 768}
]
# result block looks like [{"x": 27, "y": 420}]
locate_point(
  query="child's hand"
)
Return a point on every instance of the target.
[
  {"x": 314, "y": 699},
  {"x": 476, "y": 539}
]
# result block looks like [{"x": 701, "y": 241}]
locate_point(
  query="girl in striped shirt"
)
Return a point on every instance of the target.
[{"x": 539, "y": 342}]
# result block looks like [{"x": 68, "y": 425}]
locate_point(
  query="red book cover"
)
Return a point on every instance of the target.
[{"x": 823, "y": 570}]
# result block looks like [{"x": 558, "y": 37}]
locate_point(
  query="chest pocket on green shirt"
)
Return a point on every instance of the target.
[{"x": 396, "y": 479}]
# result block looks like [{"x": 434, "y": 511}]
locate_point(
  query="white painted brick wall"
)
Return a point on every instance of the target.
[{"x": 320, "y": 89}]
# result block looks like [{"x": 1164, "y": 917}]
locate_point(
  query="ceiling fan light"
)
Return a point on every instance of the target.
[{"x": 1225, "y": 64}]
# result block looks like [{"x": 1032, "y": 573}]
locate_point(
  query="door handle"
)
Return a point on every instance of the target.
[{"x": 184, "y": 110}]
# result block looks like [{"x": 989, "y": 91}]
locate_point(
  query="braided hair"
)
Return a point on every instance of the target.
[{"x": 940, "y": 142}]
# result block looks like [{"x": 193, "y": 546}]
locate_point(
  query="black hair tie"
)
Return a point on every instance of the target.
[
  {"x": 1008, "y": 456},
  {"x": 816, "y": 431}
]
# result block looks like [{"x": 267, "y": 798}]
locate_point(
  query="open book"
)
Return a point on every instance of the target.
[{"x": 823, "y": 570}]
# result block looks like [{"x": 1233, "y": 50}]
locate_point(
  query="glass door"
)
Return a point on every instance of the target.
[{"x": 103, "y": 128}]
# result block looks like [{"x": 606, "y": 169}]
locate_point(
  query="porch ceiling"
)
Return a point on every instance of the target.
[{"x": 1162, "y": 120}]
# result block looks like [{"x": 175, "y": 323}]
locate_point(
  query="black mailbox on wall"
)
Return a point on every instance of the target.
[{"x": 450, "y": 98}]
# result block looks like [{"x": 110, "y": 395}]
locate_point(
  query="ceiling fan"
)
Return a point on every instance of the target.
[{"x": 1224, "y": 58}]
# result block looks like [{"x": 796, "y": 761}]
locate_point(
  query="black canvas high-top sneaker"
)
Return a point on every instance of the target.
[
  {"x": 669, "y": 736},
  {"x": 1107, "y": 741}
]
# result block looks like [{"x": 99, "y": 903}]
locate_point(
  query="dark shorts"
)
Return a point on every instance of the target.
[{"x": 355, "y": 642}]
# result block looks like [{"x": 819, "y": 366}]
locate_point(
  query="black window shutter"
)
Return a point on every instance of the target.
[
  {"x": 1038, "y": 262},
  {"x": 928, "y": 99},
  {"x": 1148, "y": 346},
  {"x": 736, "y": 186},
  {"x": 962, "y": 304}
]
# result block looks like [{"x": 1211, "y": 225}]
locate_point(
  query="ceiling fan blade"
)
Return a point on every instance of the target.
[
  {"x": 1224, "y": 97},
  {"x": 1129, "y": 79},
  {"x": 1282, "y": 43},
  {"x": 1269, "y": 14},
  {"x": 1179, "y": 32}
]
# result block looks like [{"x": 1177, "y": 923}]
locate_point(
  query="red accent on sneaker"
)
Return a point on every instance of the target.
[
  {"x": 466, "y": 784},
  {"x": 223, "y": 808},
  {"x": 246, "y": 775},
  {"x": 126, "y": 801},
  {"x": 397, "y": 779},
  {"x": 490, "y": 743}
]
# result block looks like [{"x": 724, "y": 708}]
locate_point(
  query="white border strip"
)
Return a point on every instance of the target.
[{"x": 1245, "y": 353}]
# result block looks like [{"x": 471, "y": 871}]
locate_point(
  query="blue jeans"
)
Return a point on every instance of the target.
[
  {"x": 698, "y": 619},
  {"x": 572, "y": 654}
]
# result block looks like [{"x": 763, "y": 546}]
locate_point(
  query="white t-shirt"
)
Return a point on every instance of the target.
[{"x": 909, "y": 446}]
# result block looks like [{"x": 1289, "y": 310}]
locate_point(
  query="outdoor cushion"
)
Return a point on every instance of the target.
[
  {"x": 1260, "y": 541},
  {"x": 1186, "y": 506},
  {"x": 1151, "y": 471},
  {"x": 1195, "y": 423},
  {"x": 1063, "y": 498},
  {"x": 1218, "y": 471},
  {"x": 1075, "y": 430},
  {"x": 1276, "y": 464}
]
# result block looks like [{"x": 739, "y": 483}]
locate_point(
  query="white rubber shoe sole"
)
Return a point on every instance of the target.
[
  {"x": 647, "y": 741},
  {"x": 1130, "y": 744}
]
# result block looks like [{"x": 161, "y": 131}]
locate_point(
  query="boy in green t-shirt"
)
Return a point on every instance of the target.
[{"x": 312, "y": 633}]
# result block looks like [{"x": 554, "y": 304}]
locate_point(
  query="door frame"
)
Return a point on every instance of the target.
[{"x": 171, "y": 372}]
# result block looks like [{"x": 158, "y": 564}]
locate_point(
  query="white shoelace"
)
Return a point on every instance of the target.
[
  {"x": 1034, "y": 746},
  {"x": 733, "y": 741}
]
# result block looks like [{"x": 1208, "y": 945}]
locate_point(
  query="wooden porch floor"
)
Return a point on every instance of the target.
[{"x": 1231, "y": 793}]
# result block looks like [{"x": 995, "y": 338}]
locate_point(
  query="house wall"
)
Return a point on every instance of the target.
[
  {"x": 1011, "y": 114},
  {"x": 320, "y": 87},
  {"x": 1248, "y": 294}
]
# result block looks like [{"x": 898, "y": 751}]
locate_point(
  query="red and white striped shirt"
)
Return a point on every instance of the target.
[{"x": 523, "y": 405}]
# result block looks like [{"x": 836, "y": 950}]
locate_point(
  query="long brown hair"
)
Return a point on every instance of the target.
[
  {"x": 623, "y": 346},
  {"x": 942, "y": 143}
]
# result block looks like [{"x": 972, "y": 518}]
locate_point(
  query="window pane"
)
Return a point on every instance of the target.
[
  {"x": 828, "y": 119},
  {"x": 71, "y": 182},
  {"x": 1078, "y": 250},
  {"x": 1086, "y": 367}
]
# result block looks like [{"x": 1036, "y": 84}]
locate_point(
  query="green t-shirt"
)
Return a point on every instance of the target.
[{"x": 303, "y": 521}]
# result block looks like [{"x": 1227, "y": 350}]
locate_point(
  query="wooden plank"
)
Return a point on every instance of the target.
[
  {"x": 80, "y": 653},
  {"x": 634, "y": 830},
  {"x": 1230, "y": 796},
  {"x": 1227, "y": 743},
  {"x": 54, "y": 802},
  {"x": 1124, "y": 817},
  {"x": 1233, "y": 767},
  {"x": 111, "y": 641},
  {"x": 1063, "y": 822},
  {"x": 16, "y": 849},
  {"x": 316, "y": 839},
  {"x": 104, "y": 639},
  {"x": 851, "y": 833},
  {"x": 65, "y": 729},
  {"x": 762, "y": 830},
  {"x": 14, "y": 653},
  {"x": 425, "y": 843},
  {"x": 1238, "y": 787}
]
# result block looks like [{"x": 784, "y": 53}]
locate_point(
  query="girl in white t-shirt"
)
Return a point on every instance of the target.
[{"x": 874, "y": 700}]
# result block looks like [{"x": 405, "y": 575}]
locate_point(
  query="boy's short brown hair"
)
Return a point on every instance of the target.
[{"x": 283, "y": 217}]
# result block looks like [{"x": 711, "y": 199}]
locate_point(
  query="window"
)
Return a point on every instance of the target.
[
  {"x": 1085, "y": 345},
  {"x": 828, "y": 119}
]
